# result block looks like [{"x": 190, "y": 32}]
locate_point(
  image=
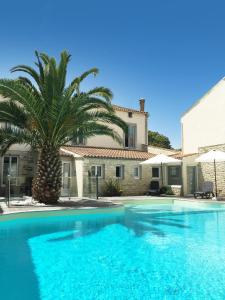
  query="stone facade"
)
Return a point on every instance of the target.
[
  {"x": 177, "y": 190},
  {"x": 129, "y": 184},
  {"x": 25, "y": 170},
  {"x": 206, "y": 170}
]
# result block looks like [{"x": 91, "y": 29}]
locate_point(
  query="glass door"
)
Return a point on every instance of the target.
[
  {"x": 192, "y": 179},
  {"x": 66, "y": 177}
]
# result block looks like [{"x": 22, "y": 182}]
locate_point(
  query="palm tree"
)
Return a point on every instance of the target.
[{"x": 46, "y": 114}]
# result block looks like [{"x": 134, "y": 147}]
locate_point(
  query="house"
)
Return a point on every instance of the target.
[
  {"x": 203, "y": 129},
  {"x": 171, "y": 173},
  {"x": 84, "y": 159}
]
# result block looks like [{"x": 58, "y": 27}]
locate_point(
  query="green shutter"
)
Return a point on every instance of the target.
[
  {"x": 103, "y": 171},
  {"x": 140, "y": 172},
  {"x": 123, "y": 171}
]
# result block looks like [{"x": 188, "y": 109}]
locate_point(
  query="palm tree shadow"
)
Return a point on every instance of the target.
[{"x": 138, "y": 220}]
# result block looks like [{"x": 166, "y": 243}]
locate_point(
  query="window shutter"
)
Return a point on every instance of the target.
[
  {"x": 140, "y": 172},
  {"x": 135, "y": 136},
  {"x": 123, "y": 171},
  {"x": 103, "y": 171}
]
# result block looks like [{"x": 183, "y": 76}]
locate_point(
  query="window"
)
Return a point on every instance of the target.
[
  {"x": 96, "y": 170},
  {"x": 174, "y": 175},
  {"x": 155, "y": 172},
  {"x": 137, "y": 172},
  {"x": 10, "y": 126},
  {"x": 130, "y": 136},
  {"x": 66, "y": 178},
  {"x": 119, "y": 171},
  {"x": 130, "y": 114},
  {"x": 10, "y": 167},
  {"x": 79, "y": 141}
]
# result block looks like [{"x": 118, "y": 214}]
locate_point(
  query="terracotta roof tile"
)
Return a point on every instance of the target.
[
  {"x": 121, "y": 108},
  {"x": 105, "y": 153},
  {"x": 179, "y": 155}
]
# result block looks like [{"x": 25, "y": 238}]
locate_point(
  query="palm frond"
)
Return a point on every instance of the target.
[
  {"x": 93, "y": 129},
  {"x": 62, "y": 70},
  {"x": 12, "y": 113},
  {"x": 75, "y": 84},
  {"x": 101, "y": 92},
  {"x": 29, "y": 70},
  {"x": 11, "y": 136},
  {"x": 17, "y": 92}
]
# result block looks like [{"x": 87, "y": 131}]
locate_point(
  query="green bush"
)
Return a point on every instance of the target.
[
  {"x": 112, "y": 188},
  {"x": 166, "y": 189}
]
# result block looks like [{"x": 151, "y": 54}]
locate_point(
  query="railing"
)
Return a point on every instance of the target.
[
  {"x": 16, "y": 188},
  {"x": 19, "y": 188}
]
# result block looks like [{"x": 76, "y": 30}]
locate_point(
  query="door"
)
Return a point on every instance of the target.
[
  {"x": 66, "y": 179},
  {"x": 192, "y": 179}
]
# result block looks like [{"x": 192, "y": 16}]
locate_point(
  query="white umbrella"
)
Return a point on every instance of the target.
[
  {"x": 213, "y": 156},
  {"x": 161, "y": 159}
]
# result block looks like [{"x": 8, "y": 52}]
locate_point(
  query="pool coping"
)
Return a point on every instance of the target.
[
  {"x": 5, "y": 210},
  {"x": 118, "y": 201}
]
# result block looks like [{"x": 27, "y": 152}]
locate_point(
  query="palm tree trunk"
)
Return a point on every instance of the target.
[{"x": 47, "y": 182}]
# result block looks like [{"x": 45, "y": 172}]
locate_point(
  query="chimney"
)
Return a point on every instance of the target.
[{"x": 142, "y": 104}]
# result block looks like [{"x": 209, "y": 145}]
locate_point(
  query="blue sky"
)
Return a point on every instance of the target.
[{"x": 168, "y": 52}]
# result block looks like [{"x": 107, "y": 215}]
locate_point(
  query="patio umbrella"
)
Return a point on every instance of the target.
[
  {"x": 213, "y": 156},
  {"x": 161, "y": 159}
]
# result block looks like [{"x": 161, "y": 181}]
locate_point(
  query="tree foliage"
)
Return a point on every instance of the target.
[{"x": 158, "y": 140}]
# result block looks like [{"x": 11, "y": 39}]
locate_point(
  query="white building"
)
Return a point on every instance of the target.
[
  {"x": 203, "y": 129},
  {"x": 204, "y": 123},
  {"x": 83, "y": 159}
]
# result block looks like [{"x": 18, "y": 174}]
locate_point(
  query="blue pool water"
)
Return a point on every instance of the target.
[{"x": 151, "y": 251}]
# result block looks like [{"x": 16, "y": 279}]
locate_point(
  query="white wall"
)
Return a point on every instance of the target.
[
  {"x": 140, "y": 119},
  {"x": 204, "y": 123},
  {"x": 137, "y": 118}
]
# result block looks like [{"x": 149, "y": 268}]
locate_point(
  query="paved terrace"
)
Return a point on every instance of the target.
[{"x": 27, "y": 205}]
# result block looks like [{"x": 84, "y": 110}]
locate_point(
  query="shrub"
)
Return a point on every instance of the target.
[
  {"x": 112, "y": 188},
  {"x": 166, "y": 189}
]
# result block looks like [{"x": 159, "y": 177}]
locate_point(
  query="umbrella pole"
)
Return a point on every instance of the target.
[
  {"x": 162, "y": 173},
  {"x": 215, "y": 175}
]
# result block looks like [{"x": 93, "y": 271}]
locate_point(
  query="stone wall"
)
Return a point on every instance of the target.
[
  {"x": 177, "y": 189},
  {"x": 206, "y": 170},
  {"x": 129, "y": 184},
  {"x": 26, "y": 169}
]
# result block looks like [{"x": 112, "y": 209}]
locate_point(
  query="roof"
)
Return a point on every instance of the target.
[
  {"x": 199, "y": 100},
  {"x": 179, "y": 155},
  {"x": 125, "y": 109},
  {"x": 93, "y": 152},
  {"x": 172, "y": 151}
]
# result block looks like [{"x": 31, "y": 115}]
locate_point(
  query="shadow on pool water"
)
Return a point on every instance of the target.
[{"x": 18, "y": 276}]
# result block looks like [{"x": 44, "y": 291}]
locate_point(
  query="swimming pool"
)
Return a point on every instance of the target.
[{"x": 167, "y": 250}]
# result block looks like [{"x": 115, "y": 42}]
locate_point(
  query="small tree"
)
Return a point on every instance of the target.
[
  {"x": 46, "y": 114},
  {"x": 158, "y": 140}
]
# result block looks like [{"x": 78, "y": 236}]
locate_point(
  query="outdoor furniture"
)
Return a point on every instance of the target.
[
  {"x": 213, "y": 156},
  {"x": 154, "y": 188},
  {"x": 207, "y": 191}
]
